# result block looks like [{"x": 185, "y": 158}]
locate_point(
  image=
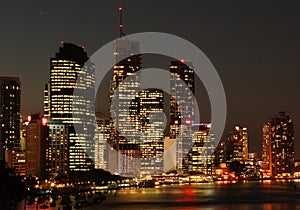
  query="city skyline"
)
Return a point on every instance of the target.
[{"x": 249, "y": 46}]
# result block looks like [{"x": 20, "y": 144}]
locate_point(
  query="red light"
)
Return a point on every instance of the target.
[
  {"x": 176, "y": 122},
  {"x": 120, "y": 8},
  {"x": 29, "y": 118},
  {"x": 188, "y": 122},
  {"x": 62, "y": 42},
  {"x": 82, "y": 46},
  {"x": 44, "y": 121},
  {"x": 121, "y": 26},
  {"x": 182, "y": 60}
]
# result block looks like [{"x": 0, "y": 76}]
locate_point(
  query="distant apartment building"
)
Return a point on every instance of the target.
[{"x": 278, "y": 146}]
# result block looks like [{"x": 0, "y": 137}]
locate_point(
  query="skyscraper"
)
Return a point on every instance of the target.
[
  {"x": 66, "y": 100},
  {"x": 151, "y": 109},
  {"x": 201, "y": 157},
  {"x": 10, "y": 105},
  {"x": 102, "y": 147},
  {"x": 124, "y": 113},
  {"x": 182, "y": 110},
  {"x": 236, "y": 145},
  {"x": 278, "y": 145}
]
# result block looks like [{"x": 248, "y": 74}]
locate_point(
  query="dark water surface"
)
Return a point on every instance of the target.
[{"x": 244, "y": 196}]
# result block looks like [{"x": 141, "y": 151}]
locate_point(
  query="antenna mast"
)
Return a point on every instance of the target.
[{"x": 121, "y": 22}]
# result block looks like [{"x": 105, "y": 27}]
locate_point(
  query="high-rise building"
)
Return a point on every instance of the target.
[
  {"x": 219, "y": 154},
  {"x": 124, "y": 117},
  {"x": 182, "y": 110},
  {"x": 37, "y": 134},
  {"x": 71, "y": 100},
  {"x": 266, "y": 150},
  {"x": 47, "y": 100},
  {"x": 57, "y": 149},
  {"x": 102, "y": 147},
  {"x": 16, "y": 159},
  {"x": 236, "y": 145},
  {"x": 151, "y": 109},
  {"x": 201, "y": 157},
  {"x": 10, "y": 104},
  {"x": 278, "y": 145}
]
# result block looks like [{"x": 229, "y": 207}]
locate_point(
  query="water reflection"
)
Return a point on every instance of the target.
[{"x": 244, "y": 196}]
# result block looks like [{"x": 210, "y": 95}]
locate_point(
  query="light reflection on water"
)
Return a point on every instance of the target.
[{"x": 244, "y": 196}]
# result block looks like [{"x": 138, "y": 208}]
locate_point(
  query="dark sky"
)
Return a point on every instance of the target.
[{"x": 254, "y": 45}]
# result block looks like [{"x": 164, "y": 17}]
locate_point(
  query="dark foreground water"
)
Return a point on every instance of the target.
[{"x": 244, "y": 196}]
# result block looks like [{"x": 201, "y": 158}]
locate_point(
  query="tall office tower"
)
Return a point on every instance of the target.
[
  {"x": 102, "y": 148},
  {"x": 124, "y": 113},
  {"x": 201, "y": 157},
  {"x": 278, "y": 145},
  {"x": 10, "y": 104},
  {"x": 182, "y": 110},
  {"x": 47, "y": 100},
  {"x": 57, "y": 149},
  {"x": 236, "y": 147},
  {"x": 152, "y": 129},
  {"x": 64, "y": 88},
  {"x": 37, "y": 134}
]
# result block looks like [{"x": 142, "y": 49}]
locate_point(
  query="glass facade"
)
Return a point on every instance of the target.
[
  {"x": 182, "y": 110},
  {"x": 152, "y": 131},
  {"x": 102, "y": 135},
  {"x": 124, "y": 113},
  {"x": 70, "y": 94}
]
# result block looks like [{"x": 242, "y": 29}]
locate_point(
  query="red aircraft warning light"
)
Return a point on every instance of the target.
[{"x": 44, "y": 121}]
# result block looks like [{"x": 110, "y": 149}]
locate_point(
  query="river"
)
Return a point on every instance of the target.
[{"x": 241, "y": 196}]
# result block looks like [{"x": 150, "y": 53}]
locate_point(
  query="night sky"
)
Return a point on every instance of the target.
[{"x": 254, "y": 46}]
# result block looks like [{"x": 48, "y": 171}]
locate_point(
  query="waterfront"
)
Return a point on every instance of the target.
[{"x": 245, "y": 196}]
